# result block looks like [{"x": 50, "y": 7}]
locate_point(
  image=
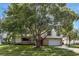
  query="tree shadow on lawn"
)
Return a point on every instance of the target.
[{"x": 28, "y": 50}]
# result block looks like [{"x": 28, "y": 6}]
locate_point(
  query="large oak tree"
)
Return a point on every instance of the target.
[{"x": 37, "y": 20}]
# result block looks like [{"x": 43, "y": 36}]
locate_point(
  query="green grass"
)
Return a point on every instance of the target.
[
  {"x": 74, "y": 46},
  {"x": 28, "y": 50}
]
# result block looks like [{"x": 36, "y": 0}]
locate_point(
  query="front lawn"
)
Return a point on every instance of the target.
[
  {"x": 28, "y": 50},
  {"x": 74, "y": 46}
]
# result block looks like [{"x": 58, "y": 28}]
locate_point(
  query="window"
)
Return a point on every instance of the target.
[
  {"x": 25, "y": 39},
  {"x": 49, "y": 33},
  {"x": 58, "y": 34}
]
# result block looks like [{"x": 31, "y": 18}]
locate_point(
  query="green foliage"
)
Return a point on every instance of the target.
[
  {"x": 34, "y": 19},
  {"x": 72, "y": 35}
]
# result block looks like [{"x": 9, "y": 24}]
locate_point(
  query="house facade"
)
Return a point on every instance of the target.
[{"x": 53, "y": 39}]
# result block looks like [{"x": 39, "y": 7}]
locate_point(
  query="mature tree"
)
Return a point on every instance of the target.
[
  {"x": 72, "y": 35},
  {"x": 66, "y": 19},
  {"x": 37, "y": 19}
]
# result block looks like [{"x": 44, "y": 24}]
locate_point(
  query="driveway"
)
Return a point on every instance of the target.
[{"x": 76, "y": 50}]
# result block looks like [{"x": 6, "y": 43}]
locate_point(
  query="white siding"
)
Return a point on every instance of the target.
[
  {"x": 54, "y": 34},
  {"x": 65, "y": 40},
  {"x": 18, "y": 41}
]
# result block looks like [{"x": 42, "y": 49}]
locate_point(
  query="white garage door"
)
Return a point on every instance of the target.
[{"x": 54, "y": 42}]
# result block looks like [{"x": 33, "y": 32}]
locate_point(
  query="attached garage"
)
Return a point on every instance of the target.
[{"x": 52, "y": 41}]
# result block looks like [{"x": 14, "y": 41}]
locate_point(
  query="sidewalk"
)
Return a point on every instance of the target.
[{"x": 76, "y": 50}]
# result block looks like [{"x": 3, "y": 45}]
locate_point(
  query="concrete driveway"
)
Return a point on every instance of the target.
[{"x": 76, "y": 50}]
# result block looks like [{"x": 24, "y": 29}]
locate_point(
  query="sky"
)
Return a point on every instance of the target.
[
  {"x": 3, "y": 7},
  {"x": 75, "y": 8},
  {"x": 72, "y": 6}
]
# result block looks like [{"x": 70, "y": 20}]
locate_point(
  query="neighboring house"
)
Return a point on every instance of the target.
[
  {"x": 73, "y": 41},
  {"x": 2, "y": 37}
]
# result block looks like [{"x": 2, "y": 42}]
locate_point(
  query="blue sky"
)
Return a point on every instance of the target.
[
  {"x": 72, "y": 6},
  {"x": 3, "y": 7}
]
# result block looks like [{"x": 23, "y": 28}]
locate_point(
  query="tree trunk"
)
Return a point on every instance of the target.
[
  {"x": 41, "y": 42},
  {"x": 38, "y": 43},
  {"x": 42, "y": 39},
  {"x": 69, "y": 41}
]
